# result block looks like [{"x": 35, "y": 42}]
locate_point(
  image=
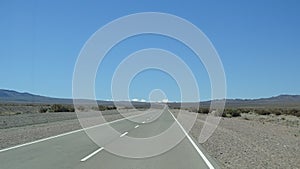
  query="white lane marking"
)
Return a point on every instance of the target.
[
  {"x": 41, "y": 140},
  {"x": 124, "y": 134},
  {"x": 91, "y": 155},
  {"x": 143, "y": 122},
  {"x": 210, "y": 166},
  {"x": 64, "y": 134},
  {"x": 136, "y": 126}
]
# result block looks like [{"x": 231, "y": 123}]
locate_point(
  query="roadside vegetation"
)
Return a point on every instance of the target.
[
  {"x": 15, "y": 108},
  {"x": 70, "y": 108},
  {"x": 103, "y": 108},
  {"x": 57, "y": 108},
  {"x": 236, "y": 112}
]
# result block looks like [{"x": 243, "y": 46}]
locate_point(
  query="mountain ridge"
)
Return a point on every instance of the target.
[{"x": 12, "y": 96}]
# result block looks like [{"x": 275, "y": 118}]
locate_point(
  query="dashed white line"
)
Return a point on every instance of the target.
[
  {"x": 144, "y": 122},
  {"x": 64, "y": 134},
  {"x": 124, "y": 134},
  {"x": 136, "y": 126},
  {"x": 210, "y": 166},
  {"x": 91, "y": 155}
]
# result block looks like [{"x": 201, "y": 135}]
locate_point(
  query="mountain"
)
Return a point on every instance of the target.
[
  {"x": 18, "y": 97},
  {"x": 10, "y": 96},
  {"x": 276, "y": 101},
  {"x": 291, "y": 101}
]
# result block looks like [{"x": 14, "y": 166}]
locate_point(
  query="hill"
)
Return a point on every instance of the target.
[
  {"x": 10, "y": 96},
  {"x": 281, "y": 101},
  {"x": 14, "y": 97}
]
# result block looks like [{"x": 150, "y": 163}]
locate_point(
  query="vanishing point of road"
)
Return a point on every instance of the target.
[{"x": 75, "y": 150}]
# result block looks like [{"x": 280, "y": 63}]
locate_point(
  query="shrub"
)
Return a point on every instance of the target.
[
  {"x": 244, "y": 110},
  {"x": 103, "y": 108},
  {"x": 61, "y": 108},
  {"x": 277, "y": 112},
  {"x": 294, "y": 112},
  {"x": 43, "y": 109},
  {"x": 262, "y": 111},
  {"x": 203, "y": 110},
  {"x": 231, "y": 113},
  {"x": 236, "y": 114}
]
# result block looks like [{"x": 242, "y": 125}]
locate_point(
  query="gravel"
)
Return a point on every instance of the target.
[
  {"x": 250, "y": 141},
  {"x": 256, "y": 143},
  {"x": 18, "y": 120},
  {"x": 23, "y": 128},
  {"x": 18, "y": 135}
]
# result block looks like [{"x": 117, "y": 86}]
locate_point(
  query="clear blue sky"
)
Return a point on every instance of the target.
[{"x": 258, "y": 42}]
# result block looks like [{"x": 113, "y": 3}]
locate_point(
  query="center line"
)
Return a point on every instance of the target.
[
  {"x": 136, "y": 126},
  {"x": 124, "y": 134},
  {"x": 91, "y": 155}
]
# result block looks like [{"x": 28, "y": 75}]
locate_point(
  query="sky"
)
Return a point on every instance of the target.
[{"x": 257, "y": 41}]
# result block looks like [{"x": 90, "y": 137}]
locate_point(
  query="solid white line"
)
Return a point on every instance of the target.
[
  {"x": 124, "y": 134},
  {"x": 64, "y": 134},
  {"x": 91, "y": 155},
  {"x": 41, "y": 140},
  {"x": 210, "y": 166},
  {"x": 136, "y": 126}
]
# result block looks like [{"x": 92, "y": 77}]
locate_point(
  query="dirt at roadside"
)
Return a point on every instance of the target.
[
  {"x": 250, "y": 141},
  {"x": 254, "y": 142},
  {"x": 24, "y": 128}
]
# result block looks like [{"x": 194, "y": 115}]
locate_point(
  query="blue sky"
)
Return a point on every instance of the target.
[{"x": 258, "y": 43}]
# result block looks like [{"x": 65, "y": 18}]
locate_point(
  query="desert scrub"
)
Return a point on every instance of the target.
[
  {"x": 43, "y": 109},
  {"x": 278, "y": 111},
  {"x": 61, "y": 108},
  {"x": 232, "y": 113},
  {"x": 102, "y": 107},
  {"x": 203, "y": 110}
]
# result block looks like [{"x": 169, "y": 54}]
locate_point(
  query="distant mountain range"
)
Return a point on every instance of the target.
[
  {"x": 18, "y": 97},
  {"x": 280, "y": 101},
  {"x": 10, "y": 96}
]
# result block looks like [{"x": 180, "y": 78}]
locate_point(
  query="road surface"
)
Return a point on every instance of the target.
[{"x": 75, "y": 150}]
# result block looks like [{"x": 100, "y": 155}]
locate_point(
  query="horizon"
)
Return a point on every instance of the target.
[
  {"x": 258, "y": 44},
  {"x": 147, "y": 101}
]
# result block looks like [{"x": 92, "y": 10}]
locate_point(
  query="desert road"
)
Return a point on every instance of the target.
[{"x": 75, "y": 150}]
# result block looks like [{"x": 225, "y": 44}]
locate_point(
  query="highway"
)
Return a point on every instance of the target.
[{"x": 75, "y": 150}]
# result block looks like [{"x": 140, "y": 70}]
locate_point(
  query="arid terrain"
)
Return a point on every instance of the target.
[
  {"x": 249, "y": 141},
  {"x": 255, "y": 141}
]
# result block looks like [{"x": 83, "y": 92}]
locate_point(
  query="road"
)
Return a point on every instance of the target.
[{"x": 75, "y": 150}]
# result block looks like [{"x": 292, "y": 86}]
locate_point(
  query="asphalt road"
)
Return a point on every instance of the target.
[{"x": 75, "y": 150}]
